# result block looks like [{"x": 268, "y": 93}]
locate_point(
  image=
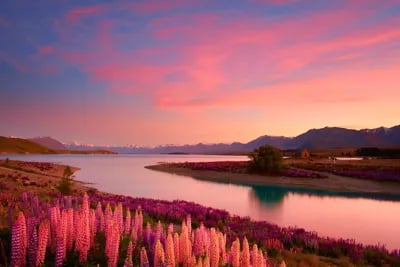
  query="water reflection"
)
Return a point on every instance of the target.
[{"x": 272, "y": 195}]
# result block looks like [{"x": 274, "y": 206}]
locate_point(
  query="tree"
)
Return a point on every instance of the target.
[
  {"x": 65, "y": 185},
  {"x": 266, "y": 160}
]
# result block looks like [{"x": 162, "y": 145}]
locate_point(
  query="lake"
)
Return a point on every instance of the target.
[{"x": 369, "y": 221}]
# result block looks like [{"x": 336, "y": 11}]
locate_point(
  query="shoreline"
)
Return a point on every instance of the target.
[
  {"x": 238, "y": 225},
  {"x": 333, "y": 183}
]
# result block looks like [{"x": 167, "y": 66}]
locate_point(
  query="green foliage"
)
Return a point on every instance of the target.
[
  {"x": 65, "y": 185},
  {"x": 5, "y": 242},
  {"x": 266, "y": 160}
]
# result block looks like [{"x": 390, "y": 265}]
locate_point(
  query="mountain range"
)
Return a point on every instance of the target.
[{"x": 323, "y": 138}]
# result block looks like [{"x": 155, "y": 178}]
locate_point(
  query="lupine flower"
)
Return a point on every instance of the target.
[
  {"x": 171, "y": 228},
  {"x": 33, "y": 247},
  {"x": 185, "y": 246},
  {"x": 70, "y": 228},
  {"x": 206, "y": 262},
  {"x": 128, "y": 260},
  {"x": 214, "y": 252},
  {"x": 222, "y": 247},
  {"x": 254, "y": 255},
  {"x": 178, "y": 258},
  {"x": 159, "y": 230},
  {"x": 169, "y": 251},
  {"x": 189, "y": 224},
  {"x": 159, "y": 255},
  {"x": 245, "y": 259},
  {"x": 118, "y": 216},
  {"x": 42, "y": 242},
  {"x": 235, "y": 253},
  {"x": 112, "y": 242},
  {"x": 18, "y": 241},
  {"x": 127, "y": 228},
  {"x": 144, "y": 262}
]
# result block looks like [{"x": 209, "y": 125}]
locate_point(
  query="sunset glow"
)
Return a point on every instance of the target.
[{"x": 162, "y": 72}]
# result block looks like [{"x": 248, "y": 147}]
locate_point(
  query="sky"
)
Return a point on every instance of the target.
[{"x": 187, "y": 71}]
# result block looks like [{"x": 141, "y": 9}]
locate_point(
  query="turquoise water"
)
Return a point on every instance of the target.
[{"x": 360, "y": 217}]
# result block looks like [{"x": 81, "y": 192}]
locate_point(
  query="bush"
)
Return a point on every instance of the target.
[
  {"x": 266, "y": 160},
  {"x": 65, "y": 185}
]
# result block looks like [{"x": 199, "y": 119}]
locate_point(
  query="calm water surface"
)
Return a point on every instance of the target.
[{"x": 366, "y": 220}]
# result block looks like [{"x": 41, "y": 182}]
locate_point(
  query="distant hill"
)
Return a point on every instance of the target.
[
  {"x": 49, "y": 142},
  {"x": 10, "y": 145},
  {"x": 335, "y": 137},
  {"x": 323, "y": 138}
]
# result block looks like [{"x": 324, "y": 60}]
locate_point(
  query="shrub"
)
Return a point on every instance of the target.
[
  {"x": 266, "y": 160},
  {"x": 65, "y": 185}
]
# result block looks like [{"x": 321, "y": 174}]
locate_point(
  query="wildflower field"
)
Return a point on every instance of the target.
[{"x": 112, "y": 230}]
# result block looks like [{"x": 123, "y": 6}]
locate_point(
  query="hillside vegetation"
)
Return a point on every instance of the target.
[{"x": 19, "y": 146}]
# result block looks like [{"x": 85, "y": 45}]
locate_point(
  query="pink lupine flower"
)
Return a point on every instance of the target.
[
  {"x": 99, "y": 218},
  {"x": 199, "y": 262},
  {"x": 18, "y": 241},
  {"x": 144, "y": 262},
  {"x": 139, "y": 222},
  {"x": 189, "y": 224},
  {"x": 44, "y": 230},
  {"x": 107, "y": 214},
  {"x": 178, "y": 258},
  {"x": 159, "y": 231},
  {"x": 112, "y": 242},
  {"x": 254, "y": 256},
  {"x": 92, "y": 226},
  {"x": 128, "y": 260},
  {"x": 118, "y": 216},
  {"x": 148, "y": 233},
  {"x": 83, "y": 230},
  {"x": 70, "y": 228},
  {"x": 169, "y": 251},
  {"x": 206, "y": 262},
  {"x": 222, "y": 248},
  {"x": 134, "y": 235},
  {"x": 54, "y": 215},
  {"x": 184, "y": 246},
  {"x": 214, "y": 248},
  {"x": 245, "y": 257},
  {"x": 159, "y": 256},
  {"x": 171, "y": 228},
  {"x": 33, "y": 247},
  {"x": 198, "y": 245},
  {"x": 235, "y": 253},
  {"x": 127, "y": 228},
  {"x": 261, "y": 260},
  {"x": 60, "y": 251}
]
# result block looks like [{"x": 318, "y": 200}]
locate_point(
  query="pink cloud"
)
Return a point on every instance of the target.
[
  {"x": 218, "y": 60},
  {"x": 79, "y": 12},
  {"x": 14, "y": 62},
  {"x": 161, "y": 5},
  {"x": 46, "y": 50},
  {"x": 3, "y": 22},
  {"x": 274, "y": 2}
]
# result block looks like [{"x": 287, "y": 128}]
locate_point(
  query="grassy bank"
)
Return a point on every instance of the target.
[{"x": 330, "y": 182}]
